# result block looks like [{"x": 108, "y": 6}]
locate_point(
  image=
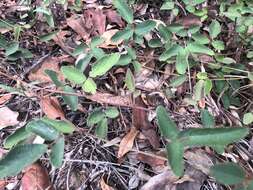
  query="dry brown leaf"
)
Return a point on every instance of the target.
[
  {"x": 52, "y": 108},
  {"x": 51, "y": 63},
  {"x": 106, "y": 98},
  {"x": 190, "y": 20},
  {"x": 140, "y": 121},
  {"x": 36, "y": 178},
  {"x": 3, "y": 183},
  {"x": 107, "y": 37},
  {"x": 5, "y": 98},
  {"x": 164, "y": 180},
  {"x": 113, "y": 17},
  {"x": 104, "y": 186},
  {"x": 152, "y": 160},
  {"x": 127, "y": 142},
  {"x": 78, "y": 25},
  {"x": 8, "y": 117}
]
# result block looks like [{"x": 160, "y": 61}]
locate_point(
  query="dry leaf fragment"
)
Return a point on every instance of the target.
[
  {"x": 5, "y": 98},
  {"x": 113, "y": 17},
  {"x": 36, "y": 178},
  {"x": 104, "y": 186},
  {"x": 127, "y": 142},
  {"x": 107, "y": 37},
  {"x": 8, "y": 117},
  {"x": 78, "y": 25},
  {"x": 190, "y": 20},
  {"x": 52, "y": 108},
  {"x": 3, "y": 183}
]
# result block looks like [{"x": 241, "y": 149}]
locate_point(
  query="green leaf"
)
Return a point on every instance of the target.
[
  {"x": 129, "y": 80},
  {"x": 137, "y": 66},
  {"x": 102, "y": 129},
  {"x": 144, "y": 27},
  {"x": 95, "y": 117},
  {"x": 12, "y": 90},
  {"x": 104, "y": 65},
  {"x": 167, "y": 5},
  {"x": 173, "y": 51},
  {"x": 214, "y": 29},
  {"x": 47, "y": 37},
  {"x": 194, "y": 47},
  {"x": 125, "y": 12},
  {"x": 200, "y": 38},
  {"x": 250, "y": 76},
  {"x": 96, "y": 41},
  {"x": 71, "y": 100},
  {"x": 98, "y": 53},
  {"x": 199, "y": 91},
  {"x": 16, "y": 137},
  {"x": 89, "y": 86},
  {"x": 138, "y": 39},
  {"x": 207, "y": 119},
  {"x": 73, "y": 74},
  {"x": 45, "y": 130},
  {"x": 131, "y": 52},
  {"x": 218, "y": 45},
  {"x": 57, "y": 152},
  {"x": 178, "y": 81},
  {"x": 202, "y": 75},
  {"x": 208, "y": 85},
  {"x": 228, "y": 173},
  {"x": 11, "y": 48},
  {"x": 50, "y": 20},
  {"x": 174, "y": 28},
  {"x": 83, "y": 62},
  {"x": 218, "y": 148},
  {"x": 122, "y": 35},
  {"x": 54, "y": 77},
  {"x": 226, "y": 60},
  {"x": 164, "y": 32},
  {"x": 212, "y": 136},
  {"x": 154, "y": 43},
  {"x": 20, "y": 157},
  {"x": 125, "y": 59},
  {"x": 111, "y": 112},
  {"x": 182, "y": 61},
  {"x": 60, "y": 125},
  {"x": 42, "y": 10},
  {"x": 167, "y": 127},
  {"x": 80, "y": 49},
  {"x": 248, "y": 118},
  {"x": 175, "y": 151}
]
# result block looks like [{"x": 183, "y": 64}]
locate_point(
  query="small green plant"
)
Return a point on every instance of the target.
[
  {"x": 23, "y": 154},
  {"x": 178, "y": 140}
]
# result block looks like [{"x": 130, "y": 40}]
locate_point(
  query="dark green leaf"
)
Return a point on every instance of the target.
[
  {"x": 145, "y": 27},
  {"x": 154, "y": 43},
  {"x": 125, "y": 12},
  {"x": 111, "y": 112},
  {"x": 60, "y": 125},
  {"x": 96, "y": 41},
  {"x": 71, "y": 100},
  {"x": 199, "y": 48},
  {"x": 129, "y": 80},
  {"x": 73, "y": 74},
  {"x": 102, "y": 128},
  {"x": 11, "y": 48},
  {"x": 57, "y": 152},
  {"x": 182, "y": 61},
  {"x": 98, "y": 53},
  {"x": 122, "y": 35},
  {"x": 214, "y": 29},
  {"x": 164, "y": 32},
  {"x": 167, "y": 127},
  {"x": 178, "y": 81},
  {"x": 20, "y": 157},
  {"x": 173, "y": 51},
  {"x": 228, "y": 173},
  {"x": 207, "y": 119},
  {"x": 45, "y": 130},
  {"x": 54, "y": 77},
  {"x": 125, "y": 59},
  {"x": 95, "y": 117}
]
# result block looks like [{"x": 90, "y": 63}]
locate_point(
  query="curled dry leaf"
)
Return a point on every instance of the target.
[
  {"x": 113, "y": 17},
  {"x": 8, "y": 117},
  {"x": 127, "y": 142},
  {"x": 52, "y": 63},
  {"x": 104, "y": 186},
  {"x": 36, "y": 178},
  {"x": 52, "y": 108},
  {"x": 5, "y": 98}
]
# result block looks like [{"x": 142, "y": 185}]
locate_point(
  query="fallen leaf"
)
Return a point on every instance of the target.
[
  {"x": 78, "y": 25},
  {"x": 140, "y": 122},
  {"x": 3, "y": 183},
  {"x": 36, "y": 178},
  {"x": 104, "y": 186},
  {"x": 190, "y": 20},
  {"x": 51, "y": 63},
  {"x": 113, "y": 17},
  {"x": 202, "y": 103},
  {"x": 8, "y": 117},
  {"x": 107, "y": 37},
  {"x": 127, "y": 142},
  {"x": 151, "y": 160},
  {"x": 164, "y": 180},
  {"x": 52, "y": 108},
  {"x": 5, "y": 98}
]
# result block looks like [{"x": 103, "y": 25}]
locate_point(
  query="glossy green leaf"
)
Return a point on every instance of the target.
[
  {"x": 111, "y": 112},
  {"x": 129, "y": 80},
  {"x": 182, "y": 61},
  {"x": 60, "y": 125},
  {"x": 45, "y": 130},
  {"x": 178, "y": 81},
  {"x": 144, "y": 27},
  {"x": 89, "y": 86},
  {"x": 173, "y": 51},
  {"x": 124, "y": 34},
  {"x": 95, "y": 117},
  {"x": 175, "y": 151},
  {"x": 212, "y": 136},
  {"x": 194, "y": 47},
  {"x": 167, "y": 127},
  {"x": 248, "y": 118},
  {"x": 228, "y": 173},
  {"x": 20, "y": 157},
  {"x": 214, "y": 29},
  {"x": 104, "y": 65},
  {"x": 57, "y": 152},
  {"x": 207, "y": 119},
  {"x": 16, "y": 137},
  {"x": 71, "y": 100},
  {"x": 11, "y": 48},
  {"x": 102, "y": 128},
  {"x": 125, "y": 12},
  {"x": 73, "y": 74}
]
